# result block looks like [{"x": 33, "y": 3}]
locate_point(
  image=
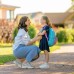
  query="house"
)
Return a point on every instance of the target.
[
  {"x": 65, "y": 19},
  {"x": 6, "y": 22},
  {"x": 7, "y": 11}
]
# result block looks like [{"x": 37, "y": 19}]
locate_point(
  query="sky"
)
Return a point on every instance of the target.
[{"x": 29, "y": 6}]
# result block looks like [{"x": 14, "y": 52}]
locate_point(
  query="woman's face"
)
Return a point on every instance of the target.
[
  {"x": 28, "y": 22},
  {"x": 43, "y": 21}
]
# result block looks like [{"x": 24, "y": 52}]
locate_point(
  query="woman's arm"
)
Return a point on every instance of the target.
[
  {"x": 37, "y": 38},
  {"x": 34, "y": 40}
]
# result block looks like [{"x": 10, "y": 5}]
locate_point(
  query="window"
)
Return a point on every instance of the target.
[
  {"x": 10, "y": 15},
  {"x": 0, "y": 14}
]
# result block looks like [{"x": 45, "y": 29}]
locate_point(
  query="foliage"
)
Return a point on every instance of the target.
[
  {"x": 31, "y": 31},
  {"x": 65, "y": 35},
  {"x": 15, "y": 32},
  {"x": 73, "y": 0}
]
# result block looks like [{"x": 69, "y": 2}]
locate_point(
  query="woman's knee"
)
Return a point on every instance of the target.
[{"x": 35, "y": 47}]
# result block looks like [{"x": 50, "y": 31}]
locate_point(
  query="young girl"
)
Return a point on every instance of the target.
[{"x": 44, "y": 41}]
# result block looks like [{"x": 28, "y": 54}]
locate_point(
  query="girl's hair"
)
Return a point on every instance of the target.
[
  {"x": 47, "y": 21},
  {"x": 22, "y": 23}
]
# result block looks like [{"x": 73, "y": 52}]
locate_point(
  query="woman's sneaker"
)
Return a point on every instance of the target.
[
  {"x": 44, "y": 66},
  {"x": 18, "y": 63},
  {"x": 27, "y": 65}
]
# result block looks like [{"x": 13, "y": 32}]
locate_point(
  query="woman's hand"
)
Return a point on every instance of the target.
[{"x": 37, "y": 38}]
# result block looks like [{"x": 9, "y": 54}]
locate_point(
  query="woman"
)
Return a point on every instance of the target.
[{"x": 23, "y": 49}]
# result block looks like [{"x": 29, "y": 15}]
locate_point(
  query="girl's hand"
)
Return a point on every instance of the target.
[
  {"x": 41, "y": 33},
  {"x": 38, "y": 34}
]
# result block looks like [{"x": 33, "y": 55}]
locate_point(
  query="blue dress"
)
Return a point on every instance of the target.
[{"x": 43, "y": 45}]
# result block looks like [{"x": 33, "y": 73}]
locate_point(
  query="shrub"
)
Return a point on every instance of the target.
[
  {"x": 72, "y": 35},
  {"x": 31, "y": 31},
  {"x": 61, "y": 35},
  {"x": 69, "y": 35},
  {"x": 66, "y": 35},
  {"x": 15, "y": 32}
]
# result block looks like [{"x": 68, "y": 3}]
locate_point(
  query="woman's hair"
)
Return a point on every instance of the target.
[
  {"x": 47, "y": 21},
  {"x": 22, "y": 23}
]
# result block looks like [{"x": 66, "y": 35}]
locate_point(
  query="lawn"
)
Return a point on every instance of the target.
[{"x": 6, "y": 53}]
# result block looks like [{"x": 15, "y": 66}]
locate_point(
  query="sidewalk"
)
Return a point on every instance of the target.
[{"x": 61, "y": 62}]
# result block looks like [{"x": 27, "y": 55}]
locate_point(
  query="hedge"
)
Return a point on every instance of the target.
[{"x": 65, "y": 35}]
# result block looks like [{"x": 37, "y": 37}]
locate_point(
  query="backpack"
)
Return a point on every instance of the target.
[{"x": 52, "y": 39}]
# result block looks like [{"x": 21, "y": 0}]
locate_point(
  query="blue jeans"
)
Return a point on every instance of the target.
[{"x": 27, "y": 52}]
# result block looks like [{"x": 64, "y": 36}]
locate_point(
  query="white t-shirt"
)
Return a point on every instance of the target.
[{"x": 21, "y": 38}]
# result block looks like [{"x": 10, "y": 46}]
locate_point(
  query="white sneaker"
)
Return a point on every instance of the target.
[
  {"x": 18, "y": 63},
  {"x": 27, "y": 65},
  {"x": 44, "y": 66}
]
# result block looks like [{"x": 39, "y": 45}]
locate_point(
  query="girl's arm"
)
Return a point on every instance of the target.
[
  {"x": 46, "y": 28},
  {"x": 38, "y": 37},
  {"x": 42, "y": 33}
]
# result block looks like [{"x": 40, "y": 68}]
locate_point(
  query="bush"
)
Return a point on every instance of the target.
[
  {"x": 31, "y": 31},
  {"x": 15, "y": 32},
  {"x": 61, "y": 35},
  {"x": 72, "y": 35},
  {"x": 65, "y": 35},
  {"x": 69, "y": 36}
]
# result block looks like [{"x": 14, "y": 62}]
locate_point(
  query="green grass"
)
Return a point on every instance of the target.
[
  {"x": 56, "y": 47},
  {"x": 6, "y": 58},
  {"x": 63, "y": 43},
  {"x": 5, "y": 44},
  {"x": 6, "y": 53}
]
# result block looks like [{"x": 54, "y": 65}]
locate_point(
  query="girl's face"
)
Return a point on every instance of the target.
[
  {"x": 28, "y": 22},
  {"x": 43, "y": 22}
]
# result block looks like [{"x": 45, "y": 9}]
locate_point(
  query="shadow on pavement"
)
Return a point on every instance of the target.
[{"x": 60, "y": 63}]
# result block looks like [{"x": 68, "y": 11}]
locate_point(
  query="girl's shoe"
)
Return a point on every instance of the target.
[
  {"x": 18, "y": 63},
  {"x": 27, "y": 65},
  {"x": 44, "y": 66}
]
